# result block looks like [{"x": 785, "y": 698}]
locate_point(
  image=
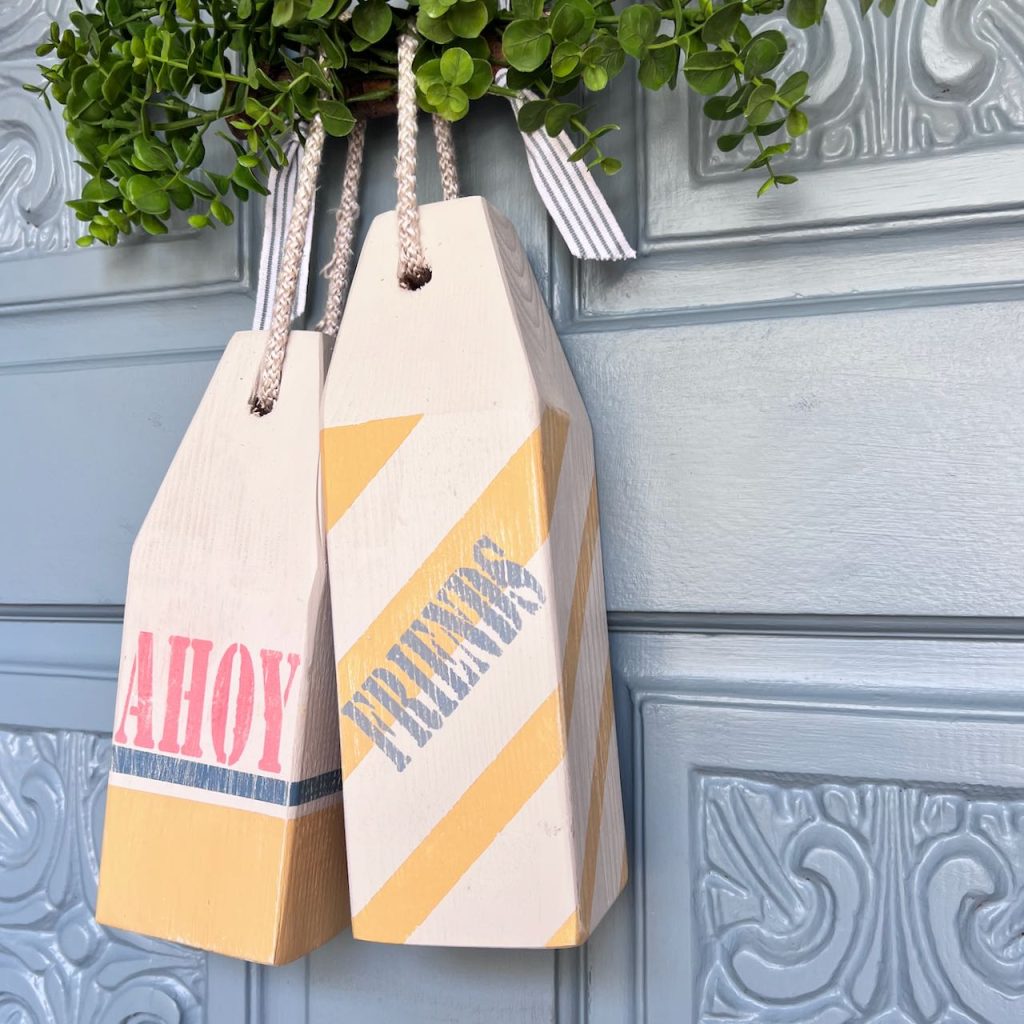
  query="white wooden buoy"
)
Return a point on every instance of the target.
[
  {"x": 224, "y": 822},
  {"x": 481, "y": 781}
]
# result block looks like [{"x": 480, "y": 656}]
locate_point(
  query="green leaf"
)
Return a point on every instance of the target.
[
  {"x": 760, "y": 105},
  {"x": 572, "y": 21},
  {"x": 722, "y": 24},
  {"x": 638, "y": 25},
  {"x": 468, "y": 18},
  {"x": 434, "y": 29},
  {"x": 727, "y": 143},
  {"x": 456, "y": 66},
  {"x": 105, "y": 233},
  {"x": 610, "y": 165},
  {"x": 764, "y": 188},
  {"x": 153, "y": 225},
  {"x": 337, "y": 118},
  {"x": 565, "y": 59},
  {"x": 478, "y": 85},
  {"x": 709, "y": 71},
  {"x": 244, "y": 181},
  {"x": 805, "y": 13},
  {"x": 719, "y": 108},
  {"x": 769, "y": 127},
  {"x": 319, "y": 9},
  {"x": 794, "y": 89},
  {"x": 116, "y": 80},
  {"x": 526, "y": 44},
  {"x": 558, "y": 116},
  {"x": 532, "y": 113},
  {"x": 99, "y": 190},
  {"x": 658, "y": 68},
  {"x": 437, "y": 8},
  {"x": 83, "y": 210},
  {"x": 764, "y": 52},
  {"x": 595, "y": 77},
  {"x": 222, "y": 212},
  {"x": 796, "y": 123},
  {"x": 529, "y": 9},
  {"x": 145, "y": 194},
  {"x": 372, "y": 20},
  {"x": 428, "y": 73}
]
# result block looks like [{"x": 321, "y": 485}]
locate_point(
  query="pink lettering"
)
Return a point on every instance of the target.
[
  {"x": 142, "y": 710},
  {"x": 273, "y": 706},
  {"x": 243, "y": 703}
]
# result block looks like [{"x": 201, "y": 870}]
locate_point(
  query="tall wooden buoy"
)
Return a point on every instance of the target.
[{"x": 480, "y": 770}]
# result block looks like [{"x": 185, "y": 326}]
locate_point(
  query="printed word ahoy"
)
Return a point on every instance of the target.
[
  {"x": 443, "y": 653},
  {"x": 223, "y": 713}
]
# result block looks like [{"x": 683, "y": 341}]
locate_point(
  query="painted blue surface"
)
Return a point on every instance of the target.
[{"x": 808, "y": 413}]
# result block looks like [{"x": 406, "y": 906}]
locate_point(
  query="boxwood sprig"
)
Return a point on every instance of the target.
[{"x": 143, "y": 83}]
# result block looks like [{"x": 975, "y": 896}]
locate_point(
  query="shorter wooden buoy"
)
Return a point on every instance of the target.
[{"x": 224, "y": 822}]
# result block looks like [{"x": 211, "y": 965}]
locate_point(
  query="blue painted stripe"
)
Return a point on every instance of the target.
[{"x": 215, "y": 779}]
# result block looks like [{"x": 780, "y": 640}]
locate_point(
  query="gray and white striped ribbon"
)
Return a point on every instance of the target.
[
  {"x": 277, "y": 212},
  {"x": 568, "y": 190}
]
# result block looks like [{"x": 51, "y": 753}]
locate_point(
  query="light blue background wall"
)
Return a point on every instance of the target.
[{"x": 809, "y": 415}]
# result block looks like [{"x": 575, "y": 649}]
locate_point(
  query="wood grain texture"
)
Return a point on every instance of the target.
[
  {"x": 467, "y": 602},
  {"x": 223, "y": 728}
]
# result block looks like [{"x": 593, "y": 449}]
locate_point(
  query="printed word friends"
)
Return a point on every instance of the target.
[{"x": 444, "y": 651}]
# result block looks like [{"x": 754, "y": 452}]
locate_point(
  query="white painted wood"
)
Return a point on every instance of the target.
[
  {"x": 225, "y": 750},
  {"x": 458, "y": 475}
]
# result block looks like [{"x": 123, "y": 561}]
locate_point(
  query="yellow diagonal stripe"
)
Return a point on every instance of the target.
[
  {"x": 598, "y": 781},
  {"x": 405, "y": 901},
  {"x": 580, "y": 592},
  {"x": 351, "y": 456},
  {"x": 514, "y": 511},
  {"x": 569, "y": 934}
]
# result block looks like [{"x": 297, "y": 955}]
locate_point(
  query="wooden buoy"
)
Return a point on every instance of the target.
[
  {"x": 224, "y": 822},
  {"x": 481, "y": 780}
]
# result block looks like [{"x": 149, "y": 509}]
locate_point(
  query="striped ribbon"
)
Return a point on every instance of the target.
[
  {"x": 277, "y": 211},
  {"x": 568, "y": 190}
]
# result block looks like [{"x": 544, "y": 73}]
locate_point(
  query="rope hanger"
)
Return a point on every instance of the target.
[{"x": 413, "y": 269}]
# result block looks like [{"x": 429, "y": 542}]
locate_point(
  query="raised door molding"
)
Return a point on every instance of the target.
[
  {"x": 917, "y": 123},
  {"x": 827, "y": 830}
]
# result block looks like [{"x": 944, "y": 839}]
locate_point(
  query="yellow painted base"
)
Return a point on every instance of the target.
[{"x": 244, "y": 884}]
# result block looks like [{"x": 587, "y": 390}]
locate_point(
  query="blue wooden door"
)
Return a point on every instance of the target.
[{"x": 809, "y": 415}]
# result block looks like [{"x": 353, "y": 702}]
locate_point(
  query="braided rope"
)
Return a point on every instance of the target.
[
  {"x": 412, "y": 263},
  {"x": 339, "y": 270},
  {"x": 268, "y": 381},
  {"x": 446, "y": 158}
]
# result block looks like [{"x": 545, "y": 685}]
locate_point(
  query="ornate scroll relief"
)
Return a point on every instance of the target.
[
  {"x": 921, "y": 81},
  {"x": 42, "y": 265},
  {"x": 858, "y": 904},
  {"x": 37, "y": 170},
  {"x": 57, "y": 966}
]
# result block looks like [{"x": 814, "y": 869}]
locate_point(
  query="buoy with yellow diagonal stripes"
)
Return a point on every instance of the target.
[{"x": 479, "y": 763}]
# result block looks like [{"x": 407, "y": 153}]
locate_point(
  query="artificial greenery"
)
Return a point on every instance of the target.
[{"x": 143, "y": 82}]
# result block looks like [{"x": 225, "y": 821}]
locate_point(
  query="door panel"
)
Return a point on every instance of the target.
[
  {"x": 838, "y": 828},
  {"x": 807, "y": 412}
]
